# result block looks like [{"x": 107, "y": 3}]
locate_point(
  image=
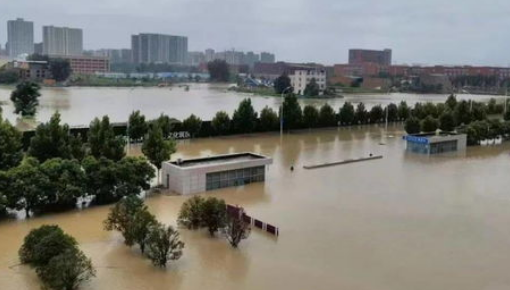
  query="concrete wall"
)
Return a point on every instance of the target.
[{"x": 190, "y": 180}]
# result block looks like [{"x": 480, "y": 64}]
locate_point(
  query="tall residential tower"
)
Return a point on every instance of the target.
[
  {"x": 159, "y": 48},
  {"x": 20, "y": 37},
  {"x": 62, "y": 41}
]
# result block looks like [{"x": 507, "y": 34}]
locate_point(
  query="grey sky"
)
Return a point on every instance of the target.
[{"x": 418, "y": 31}]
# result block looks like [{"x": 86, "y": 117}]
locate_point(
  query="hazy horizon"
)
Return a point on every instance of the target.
[{"x": 457, "y": 32}]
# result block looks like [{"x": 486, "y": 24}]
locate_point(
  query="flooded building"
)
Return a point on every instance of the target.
[
  {"x": 209, "y": 173},
  {"x": 436, "y": 143}
]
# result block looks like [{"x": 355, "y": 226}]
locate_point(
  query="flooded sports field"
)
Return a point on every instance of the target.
[{"x": 402, "y": 222}]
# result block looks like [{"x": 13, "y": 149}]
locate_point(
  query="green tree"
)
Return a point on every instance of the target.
[
  {"x": 391, "y": 112},
  {"x": 51, "y": 140},
  {"x": 192, "y": 124},
  {"x": 310, "y": 116},
  {"x": 27, "y": 251},
  {"x": 137, "y": 127},
  {"x": 60, "y": 69},
  {"x": 121, "y": 216},
  {"x": 101, "y": 179},
  {"x": 156, "y": 148},
  {"x": 67, "y": 270},
  {"x": 66, "y": 182},
  {"x": 376, "y": 114},
  {"x": 221, "y": 123},
  {"x": 282, "y": 83},
  {"x": 491, "y": 106},
  {"x": 327, "y": 116},
  {"x": 218, "y": 70},
  {"x": 312, "y": 88},
  {"x": 451, "y": 102},
  {"x": 347, "y": 115},
  {"x": 11, "y": 147},
  {"x": 447, "y": 121},
  {"x": 292, "y": 113},
  {"x": 419, "y": 111},
  {"x": 190, "y": 214},
  {"x": 140, "y": 227},
  {"x": 134, "y": 174},
  {"x": 166, "y": 124},
  {"x": 50, "y": 246},
  {"x": 4, "y": 202},
  {"x": 404, "y": 112},
  {"x": 213, "y": 214},
  {"x": 8, "y": 77},
  {"x": 268, "y": 119},
  {"x": 412, "y": 125},
  {"x": 103, "y": 142},
  {"x": 163, "y": 244},
  {"x": 430, "y": 109},
  {"x": 26, "y": 98},
  {"x": 429, "y": 124},
  {"x": 236, "y": 229},
  {"x": 77, "y": 148},
  {"x": 28, "y": 187},
  {"x": 244, "y": 118},
  {"x": 462, "y": 113},
  {"x": 506, "y": 116},
  {"x": 361, "y": 114},
  {"x": 479, "y": 111}
]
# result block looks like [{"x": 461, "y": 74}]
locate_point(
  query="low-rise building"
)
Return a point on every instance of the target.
[
  {"x": 431, "y": 144},
  {"x": 86, "y": 65},
  {"x": 30, "y": 70},
  {"x": 215, "y": 172},
  {"x": 301, "y": 77}
]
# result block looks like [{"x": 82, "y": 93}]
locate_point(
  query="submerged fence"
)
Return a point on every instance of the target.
[{"x": 239, "y": 211}]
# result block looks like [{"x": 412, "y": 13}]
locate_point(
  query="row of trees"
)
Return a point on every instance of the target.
[
  {"x": 211, "y": 213},
  {"x": 422, "y": 117},
  {"x": 60, "y": 169},
  {"x": 55, "y": 256},
  {"x": 131, "y": 217},
  {"x": 447, "y": 116}
]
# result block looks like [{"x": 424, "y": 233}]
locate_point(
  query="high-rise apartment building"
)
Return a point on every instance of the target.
[
  {"x": 209, "y": 55},
  {"x": 20, "y": 37},
  {"x": 159, "y": 48},
  {"x": 267, "y": 57},
  {"x": 62, "y": 41},
  {"x": 362, "y": 56}
]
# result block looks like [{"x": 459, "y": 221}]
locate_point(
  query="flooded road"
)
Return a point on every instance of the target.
[
  {"x": 79, "y": 105},
  {"x": 399, "y": 223}
]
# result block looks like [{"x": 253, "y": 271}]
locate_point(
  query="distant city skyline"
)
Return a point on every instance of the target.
[{"x": 459, "y": 33}]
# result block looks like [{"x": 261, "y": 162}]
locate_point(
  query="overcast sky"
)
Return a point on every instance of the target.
[{"x": 418, "y": 31}]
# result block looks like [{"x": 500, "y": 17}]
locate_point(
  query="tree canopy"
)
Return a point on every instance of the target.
[{"x": 26, "y": 98}]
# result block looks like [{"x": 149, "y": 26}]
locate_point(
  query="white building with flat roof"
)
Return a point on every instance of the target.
[
  {"x": 300, "y": 78},
  {"x": 215, "y": 172}
]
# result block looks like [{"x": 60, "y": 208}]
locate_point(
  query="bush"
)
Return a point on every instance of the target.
[
  {"x": 412, "y": 125},
  {"x": 27, "y": 250},
  {"x": 67, "y": 270},
  {"x": 429, "y": 124},
  {"x": 50, "y": 246},
  {"x": 190, "y": 215},
  {"x": 213, "y": 214}
]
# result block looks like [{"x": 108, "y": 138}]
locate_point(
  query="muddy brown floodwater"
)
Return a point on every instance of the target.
[{"x": 403, "y": 222}]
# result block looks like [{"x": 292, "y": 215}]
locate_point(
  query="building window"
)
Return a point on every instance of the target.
[{"x": 216, "y": 180}]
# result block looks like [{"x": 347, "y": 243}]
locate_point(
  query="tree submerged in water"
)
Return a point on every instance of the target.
[{"x": 26, "y": 98}]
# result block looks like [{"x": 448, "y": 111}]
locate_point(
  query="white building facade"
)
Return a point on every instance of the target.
[
  {"x": 210, "y": 173},
  {"x": 300, "y": 78}
]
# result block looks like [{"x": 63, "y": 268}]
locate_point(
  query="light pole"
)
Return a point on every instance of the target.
[{"x": 281, "y": 109}]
